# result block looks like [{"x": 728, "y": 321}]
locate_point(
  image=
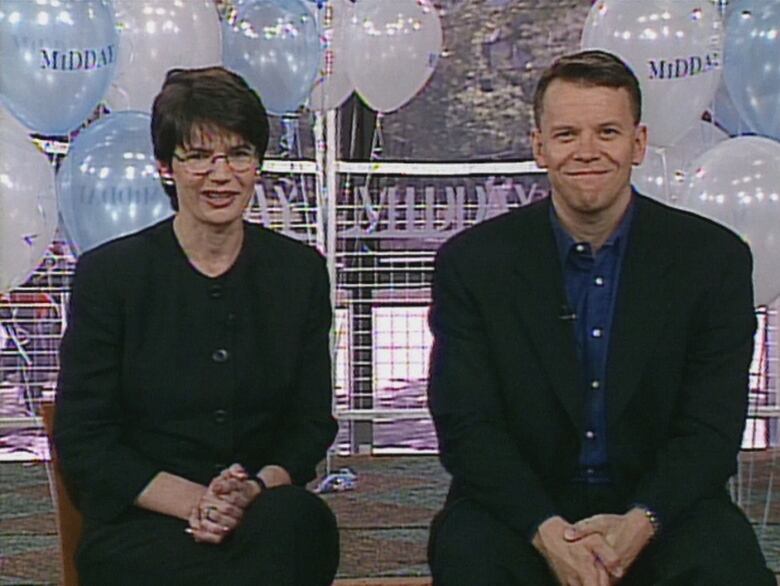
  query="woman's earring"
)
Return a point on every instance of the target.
[
  {"x": 167, "y": 180},
  {"x": 258, "y": 175}
]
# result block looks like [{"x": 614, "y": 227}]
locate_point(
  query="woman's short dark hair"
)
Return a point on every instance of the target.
[
  {"x": 590, "y": 68},
  {"x": 210, "y": 96}
]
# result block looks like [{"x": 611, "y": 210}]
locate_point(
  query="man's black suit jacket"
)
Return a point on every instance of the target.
[
  {"x": 165, "y": 369},
  {"x": 506, "y": 391}
]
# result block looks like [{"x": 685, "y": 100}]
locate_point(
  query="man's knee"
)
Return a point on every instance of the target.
[
  {"x": 712, "y": 545},
  {"x": 470, "y": 547}
]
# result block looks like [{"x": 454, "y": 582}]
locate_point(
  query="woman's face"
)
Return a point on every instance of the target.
[{"x": 214, "y": 175}]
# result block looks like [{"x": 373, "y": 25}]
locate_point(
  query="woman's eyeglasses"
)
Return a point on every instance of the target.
[{"x": 202, "y": 162}]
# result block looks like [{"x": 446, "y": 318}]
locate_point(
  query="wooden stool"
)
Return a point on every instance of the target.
[{"x": 68, "y": 517}]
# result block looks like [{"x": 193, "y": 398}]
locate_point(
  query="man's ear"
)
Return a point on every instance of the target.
[
  {"x": 640, "y": 144},
  {"x": 536, "y": 145}
]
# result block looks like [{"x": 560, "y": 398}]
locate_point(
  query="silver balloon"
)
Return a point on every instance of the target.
[
  {"x": 333, "y": 85},
  {"x": 665, "y": 171},
  {"x": 393, "y": 49},
  {"x": 28, "y": 206},
  {"x": 275, "y": 45},
  {"x": 108, "y": 184},
  {"x": 724, "y": 113},
  {"x": 675, "y": 48},
  {"x": 737, "y": 183},
  {"x": 752, "y": 68},
  {"x": 57, "y": 59},
  {"x": 158, "y": 35}
]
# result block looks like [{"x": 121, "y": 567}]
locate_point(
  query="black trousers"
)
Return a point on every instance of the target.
[
  {"x": 713, "y": 545},
  {"x": 288, "y": 537}
]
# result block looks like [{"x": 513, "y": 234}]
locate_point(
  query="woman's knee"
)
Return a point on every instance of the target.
[
  {"x": 298, "y": 522},
  {"x": 291, "y": 533},
  {"x": 291, "y": 506}
]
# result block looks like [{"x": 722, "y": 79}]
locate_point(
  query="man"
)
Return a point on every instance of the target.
[{"x": 588, "y": 379}]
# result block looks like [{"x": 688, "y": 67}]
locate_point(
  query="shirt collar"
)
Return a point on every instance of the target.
[{"x": 567, "y": 245}]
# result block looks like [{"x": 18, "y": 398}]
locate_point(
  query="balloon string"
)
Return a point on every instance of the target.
[
  {"x": 378, "y": 142},
  {"x": 288, "y": 141},
  {"x": 377, "y": 150},
  {"x": 667, "y": 179},
  {"x": 12, "y": 333}
]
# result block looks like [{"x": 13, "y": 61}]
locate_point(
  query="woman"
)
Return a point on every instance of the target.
[{"x": 194, "y": 391}]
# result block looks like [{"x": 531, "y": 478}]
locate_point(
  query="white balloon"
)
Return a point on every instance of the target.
[
  {"x": 333, "y": 84},
  {"x": 158, "y": 35},
  {"x": 737, "y": 183},
  {"x": 28, "y": 205},
  {"x": 675, "y": 48},
  {"x": 393, "y": 48},
  {"x": 664, "y": 173},
  {"x": 11, "y": 123}
]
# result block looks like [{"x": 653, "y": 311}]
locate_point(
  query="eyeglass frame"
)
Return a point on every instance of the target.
[{"x": 213, "y": 162}]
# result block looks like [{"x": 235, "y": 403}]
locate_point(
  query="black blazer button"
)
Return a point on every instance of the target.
[
  {"x": 215, "y": 292},
  {"x": 220, "y": 416},
  {"x": 220, "y": 355}
]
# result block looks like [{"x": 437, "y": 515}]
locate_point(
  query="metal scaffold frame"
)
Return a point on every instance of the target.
[{"x": 357, "y": 403}]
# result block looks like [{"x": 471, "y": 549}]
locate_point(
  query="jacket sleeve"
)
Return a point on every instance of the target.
[
  {"x": 700, "y": 453},
  {"x": 308, "y": 428},
  {"x": 465, "y": 401},
  {"x": 103, "y": 473}
]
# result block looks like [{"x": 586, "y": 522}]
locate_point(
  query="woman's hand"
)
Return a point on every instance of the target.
[
  {"x": 213, "y": 519},
  {"x": 221, "y": 508},
  {"x": 234, "y": 486}
]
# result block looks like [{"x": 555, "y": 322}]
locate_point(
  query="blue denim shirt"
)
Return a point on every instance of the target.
[{"x": 591, "y": 282}]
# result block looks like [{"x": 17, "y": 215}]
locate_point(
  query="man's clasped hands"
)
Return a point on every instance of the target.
[{"x": 596, "y": 551}]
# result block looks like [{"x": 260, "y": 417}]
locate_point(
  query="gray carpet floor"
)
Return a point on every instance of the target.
[{"x": 384, "y": 521}]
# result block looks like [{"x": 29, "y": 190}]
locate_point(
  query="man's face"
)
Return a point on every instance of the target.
[{"x": 588, "y": 142}]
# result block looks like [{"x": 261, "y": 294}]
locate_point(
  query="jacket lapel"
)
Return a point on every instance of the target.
[
  {"x": 541, "y": 301},
  {"x": 643, "y": 300}
]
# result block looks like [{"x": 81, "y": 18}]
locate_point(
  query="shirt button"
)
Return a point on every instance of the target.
[
  {"x": 215, "y": 292},
  {"x": 220, "y": 355},
  {"x": 590, "y": 471},
  {"x": 220, "y": 416},
  {"x": 590, "y": 435},
  {"x": 596, "y": 332},
  {"x": 595, "y": 384},
  {"x": 598, "y": 281}
]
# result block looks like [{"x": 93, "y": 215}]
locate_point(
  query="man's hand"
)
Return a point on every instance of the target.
[
  {"x": 627, "y": 534},
  {"x": 587, "y": 561}
]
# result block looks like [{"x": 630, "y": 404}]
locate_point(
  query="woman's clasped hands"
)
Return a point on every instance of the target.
[{"x": 222, "y": 506}]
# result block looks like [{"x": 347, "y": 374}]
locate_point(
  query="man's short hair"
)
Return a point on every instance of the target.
[
  {"x": 590, "y": 68},
  {"x": 205, "y": 97}
]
